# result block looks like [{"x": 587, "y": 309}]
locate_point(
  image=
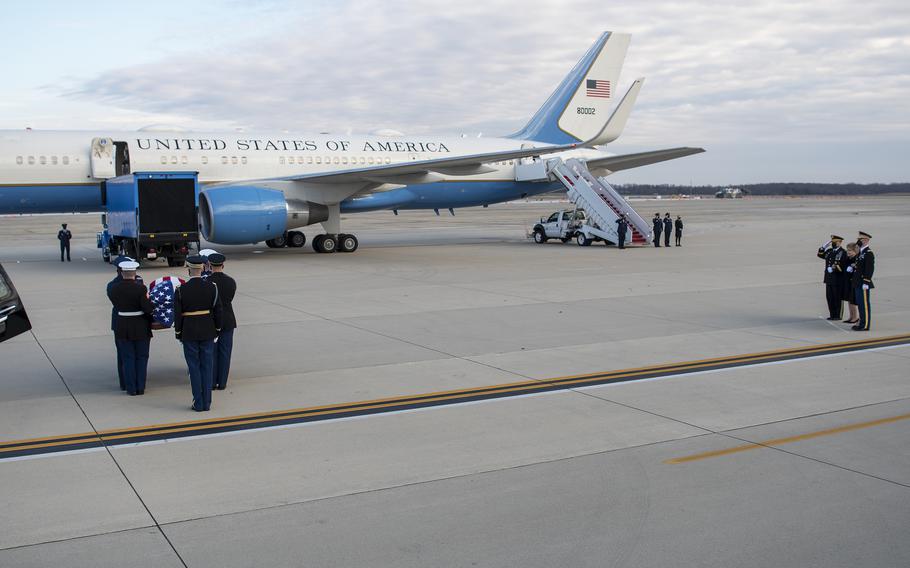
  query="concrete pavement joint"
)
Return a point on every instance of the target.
[{"x": 109, "y": 453}]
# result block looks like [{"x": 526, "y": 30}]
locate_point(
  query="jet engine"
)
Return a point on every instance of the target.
[{"x": 236, "y": 215}]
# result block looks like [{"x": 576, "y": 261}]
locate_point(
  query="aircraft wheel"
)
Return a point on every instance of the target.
[
  {"x": 582, "y": 240},
  {"x": 270, "y": 243},
  {"x": 540, "y": 237},
  {"x": 329, "y": 243},
  {"x": 347, "y": 243},
  {"x": 280, "y": 241},
  {"x": 296, "y": 239}
]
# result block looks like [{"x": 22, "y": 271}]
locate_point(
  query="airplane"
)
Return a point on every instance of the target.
[{"x": 260, "y": 186}]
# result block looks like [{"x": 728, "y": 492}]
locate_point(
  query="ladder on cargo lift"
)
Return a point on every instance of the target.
[{"x": 602, "y": 204}]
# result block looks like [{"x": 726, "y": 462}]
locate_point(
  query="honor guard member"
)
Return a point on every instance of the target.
[
  {"x": 658, "y": 227},
  {"x": 227, "y": 287},
  {"x": 207, "y": 268},
  {"x": 863, "y": 269},
  {"x": 835, "y": 259},
  {"x": 133, "y": 326},
  {"x": 622, "y": 225},
  {"x": 110, "y": 285},
  {"x": 197, "y": 321},
  {"x": 64, "y": 236},
  {"x": 668, "y": 228},
  {"x": 679, "y": 228}
]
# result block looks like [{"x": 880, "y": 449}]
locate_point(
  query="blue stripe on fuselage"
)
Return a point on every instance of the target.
[
  {"x": 50, "y": 199},
  {"x": 442, "y": 195}
]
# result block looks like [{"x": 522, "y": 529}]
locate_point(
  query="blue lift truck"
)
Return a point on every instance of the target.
[{"x": 150, "y": 215}]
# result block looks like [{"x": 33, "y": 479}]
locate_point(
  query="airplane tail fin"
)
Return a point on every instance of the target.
[{"x": 578, "y": 109}]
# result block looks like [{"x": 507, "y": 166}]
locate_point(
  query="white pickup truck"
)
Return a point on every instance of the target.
[{"x": 562, "y": 225}]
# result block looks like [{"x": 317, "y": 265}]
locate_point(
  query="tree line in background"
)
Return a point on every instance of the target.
[{"x": 767, "y": 189}]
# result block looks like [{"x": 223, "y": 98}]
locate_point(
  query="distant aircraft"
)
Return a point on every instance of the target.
[{"x": 259, "y": 186}]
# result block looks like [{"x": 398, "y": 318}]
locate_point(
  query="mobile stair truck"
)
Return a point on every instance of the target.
[
  {"x": 602, "y": 206},
  {"x": 150, "y": 215}
]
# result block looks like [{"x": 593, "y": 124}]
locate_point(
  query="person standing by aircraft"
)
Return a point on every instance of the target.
[
  {"x": 197, "y": 321},
  {"x": 133, "y": 327},
  {"x": 658, "y": 227},
  {"x": 862, "y": 282},
  {"x": 207, "y": 267},
  {"x": 64, "y": 236},
  {"x": 835, "y": 261},
  {"x": 668, "y": 228},
  {"x": 227, "y": 287},
  {"x": 679, "y": 228},
  {"x": 622, "y": 225},
  {"x": 847, "y": 289}
]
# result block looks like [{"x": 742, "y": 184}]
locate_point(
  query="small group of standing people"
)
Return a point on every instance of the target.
[
  {"x": 848, "y": 277},
  {"x": 666, "y": 226},
  {"x": 201, "y": 309}
]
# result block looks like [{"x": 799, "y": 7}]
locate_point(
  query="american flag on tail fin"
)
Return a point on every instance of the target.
[
  {"x": 161, "y": 293},
  {"x": 597, "y": 88}
]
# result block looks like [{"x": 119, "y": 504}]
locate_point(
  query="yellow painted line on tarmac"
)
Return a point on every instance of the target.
[{"x": 788, "y": 439}]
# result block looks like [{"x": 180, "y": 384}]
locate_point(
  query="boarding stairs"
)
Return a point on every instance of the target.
[{"x": 602, "y": 204}]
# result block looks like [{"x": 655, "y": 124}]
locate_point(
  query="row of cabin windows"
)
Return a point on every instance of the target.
[
  {"x": 44, "y": 160},
  {"x": 362, "y": 160}
]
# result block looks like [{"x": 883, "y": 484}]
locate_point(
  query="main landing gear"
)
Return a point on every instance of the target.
[
  {"x": 321, "y": 243},
  {"x": 335, "y": 243}
]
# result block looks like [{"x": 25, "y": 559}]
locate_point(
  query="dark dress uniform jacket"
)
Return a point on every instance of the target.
[
  {"x": 197, "y": 295},
  {"x": 131, "y": 296},
  {"x": 679, "y": 226},
  {"x": 668, "y": 225},
  {"x": 227, "y": 287},
  {"x": 836, "y": 259},
  {"x": 865, "y": 267}
]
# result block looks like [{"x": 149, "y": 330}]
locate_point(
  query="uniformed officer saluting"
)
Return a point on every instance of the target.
[
  {"x": 835, "y": 259},
  {"x": 133, "y": 328},
  {"x": 197, "y": 321},
  {"x": 668, "y": 228},
  {"x": 227, "y": 287},
  {"x": 64, "y": 236},
  {"x": 863, "y": 269},
  {"x": 622, "y": 226}
]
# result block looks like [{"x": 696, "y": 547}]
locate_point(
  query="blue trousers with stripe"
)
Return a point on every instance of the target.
[
  {"x": 198, "y": 355},
  {"x": 864, "y": 303}
]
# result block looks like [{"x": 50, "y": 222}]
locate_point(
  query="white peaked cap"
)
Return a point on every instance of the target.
[
  {"x": 128, "y": 265},
  {"x": 206, "y": 252}
]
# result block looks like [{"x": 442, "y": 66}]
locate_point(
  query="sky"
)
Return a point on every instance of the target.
[{"x": 773, "y": 90}]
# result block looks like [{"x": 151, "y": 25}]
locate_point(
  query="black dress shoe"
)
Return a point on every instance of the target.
[
  {"x": 833, "y": 319},
  {"x": 140, "y": 392},
  {"x": 858, "y": 328},
  {"x": 132, "y": 394}
]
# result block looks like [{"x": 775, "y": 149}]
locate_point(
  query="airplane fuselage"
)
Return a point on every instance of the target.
[{"x": 52, "y": 171}]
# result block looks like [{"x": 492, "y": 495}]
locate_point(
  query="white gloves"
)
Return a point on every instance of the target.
[
  {"x": 830, "y": 270},
  {"x": 865, "y": 286},
  {"x": 849, "y": 269}
]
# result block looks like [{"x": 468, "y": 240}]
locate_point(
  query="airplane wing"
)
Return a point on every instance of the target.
[
  {"x": 629, "y": 161},
  {"x": 425, "y": 171}
]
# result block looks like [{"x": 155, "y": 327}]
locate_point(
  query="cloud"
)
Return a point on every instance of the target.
[{"x": 717, "y": 73}]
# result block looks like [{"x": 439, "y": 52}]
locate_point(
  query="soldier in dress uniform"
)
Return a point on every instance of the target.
[
  {"x": 197, "y": 321},
  {"x": 64, "y": 235},
  {"x": 863, "y": 269},
  {"x": 110, "y": 285},
  {"x": 622, "y": 226},
  {"x": 133, "y": 326},
  {"x": 679, "y": 228},
  {"x": 227, "y": 287},
  {"x": 835, "y": 259},
  {"x": 658, "y": 227},
  {"x": 668, "y": 228},
  {"x": 207, "y": 268}
]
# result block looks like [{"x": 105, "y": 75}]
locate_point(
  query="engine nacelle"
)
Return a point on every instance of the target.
[{"x": 238, "y": 215}]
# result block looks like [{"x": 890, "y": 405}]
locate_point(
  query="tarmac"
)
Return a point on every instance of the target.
[{"x": 689, "y": 460}]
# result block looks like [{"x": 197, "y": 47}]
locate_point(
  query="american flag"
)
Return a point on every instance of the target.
[
  {"x": 597, "y": 88},
  {"x": 161, "y": 293}
]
